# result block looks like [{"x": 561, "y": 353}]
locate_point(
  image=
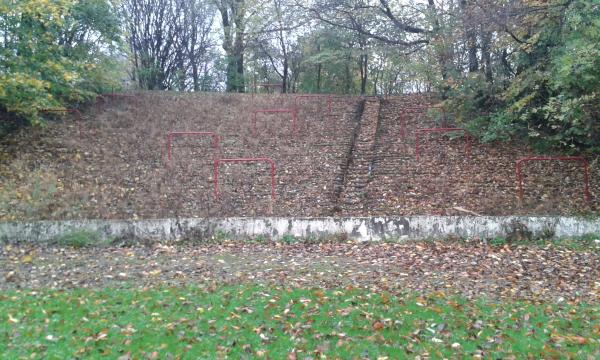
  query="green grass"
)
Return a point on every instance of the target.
[
  {"x": 78, "y": 239},
  {"x": 288, "y": 239},
  {"x": 249, "y": 321},
  {"x": 578, "y": 243}
]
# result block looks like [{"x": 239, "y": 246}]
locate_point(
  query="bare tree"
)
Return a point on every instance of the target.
[
  {"x": 276, "y": 38},
  {"x": 199, "y": 21},
  {"x": 169, "y": 41},
  {"x": 373, "y": 21}
]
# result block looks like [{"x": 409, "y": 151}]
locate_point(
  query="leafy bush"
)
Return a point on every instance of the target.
[
  {"x": 288, "y": 239},
  {"x": 52, "y": 53},
  {"x": 553, "y": 101}
]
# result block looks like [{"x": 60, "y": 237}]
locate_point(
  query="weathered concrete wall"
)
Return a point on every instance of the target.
[{"x": 362, "y": 229}]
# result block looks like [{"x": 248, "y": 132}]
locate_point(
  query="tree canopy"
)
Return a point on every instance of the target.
[{"x": 54, "y": 52}]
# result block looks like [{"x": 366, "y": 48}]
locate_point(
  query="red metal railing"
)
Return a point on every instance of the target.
[
  {"x": 417, "y": 109},
  {"x": 430, "y": 130},
  {"x": 172, "y": 134},
  {"x": 243, "y": 160},
  {"x": 584, "y": 161},
  {"x": 293, "y": 111},
  {"x": 314, "y": 96}
]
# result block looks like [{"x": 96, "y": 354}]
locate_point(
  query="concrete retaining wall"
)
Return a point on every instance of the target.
[{"x": 362, "y": 229}]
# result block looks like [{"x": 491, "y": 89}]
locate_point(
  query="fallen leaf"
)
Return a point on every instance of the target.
[{"x": 378, "y": 325}]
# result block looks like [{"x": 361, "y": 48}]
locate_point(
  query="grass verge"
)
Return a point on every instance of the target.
[
  {"x": 250, "y": 321},
  {"x": 579, "y": 243},
  {"x": 78, "y": 239}
]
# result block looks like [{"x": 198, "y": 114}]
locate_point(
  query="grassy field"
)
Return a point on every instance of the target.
[{"x": 253, "y": 321}]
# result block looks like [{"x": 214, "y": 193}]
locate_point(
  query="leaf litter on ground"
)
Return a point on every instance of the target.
[{"x": 528, "y": 272}]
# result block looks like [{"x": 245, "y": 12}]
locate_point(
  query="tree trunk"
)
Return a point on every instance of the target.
[
  {"x": 508, "y": 70},
  {"x": 232, "y": 16},
  {"x": 486, "y": 58},
  {"x": 444, "y": 55},
  {"x": 181, "y": 74},
  {"x": 364, "y": 61},
  {"x": 195, "y": 76},
  {"x": 472, "y": 46},
  {"x": 319, "y": 69},
  {"x": 239, "y": 85},
  {"x": 348, "y": 77},
  {"x": 286, "y": 70},
  {"x": 470, "y": 35},
  {"x": 239, "y": 72}
]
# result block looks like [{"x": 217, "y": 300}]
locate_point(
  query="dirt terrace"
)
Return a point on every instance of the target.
[
  {"x": 357, "y": 160},
  {"x": 472, "y": 269},
  {"x": 116, "y": 167},
  {"x": 445, "y": 178}
]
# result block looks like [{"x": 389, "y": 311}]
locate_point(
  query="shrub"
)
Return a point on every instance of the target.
[{"x": 52, "y": 52}]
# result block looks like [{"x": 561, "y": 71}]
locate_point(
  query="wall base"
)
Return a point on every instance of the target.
[{"x": 360, "y": 228}]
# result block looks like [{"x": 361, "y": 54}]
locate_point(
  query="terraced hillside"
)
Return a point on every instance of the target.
[
  {"x": 357, "y": 159},
  {"x": 113, "y": 164},
  {"x": 451, "y": 177}
]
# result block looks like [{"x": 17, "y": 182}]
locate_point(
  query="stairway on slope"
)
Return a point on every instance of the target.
[
  {"x": 352, "y": 196},
  {"x": 443, "y": 179},
  {"x": 392, "y": 176}
]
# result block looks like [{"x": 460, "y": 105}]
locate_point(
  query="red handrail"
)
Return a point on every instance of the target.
[
  {"x": 586, "y": 171},
  {"x": 217, "y": 162}
]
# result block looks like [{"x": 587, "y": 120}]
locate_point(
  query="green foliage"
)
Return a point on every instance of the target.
[
  {"x": 260, "y": 239},
  {"x": 554, "y": 99},
  {"x": 288, "y": 239},
  {"x": 498, "y": 241},
  {"x": 78, "y": 239},
  {"x": 250, "y": 321},
  {"x": 328, "y": 52},
  {"x": 473, "y": 100},
  {"x": 220, "y": 235},
  {"x": 546, "y": 238},
  {"x": 53, "y": 52}
]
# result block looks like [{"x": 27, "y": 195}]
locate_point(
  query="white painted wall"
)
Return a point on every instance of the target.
[{"x": 361, "y": 229}]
